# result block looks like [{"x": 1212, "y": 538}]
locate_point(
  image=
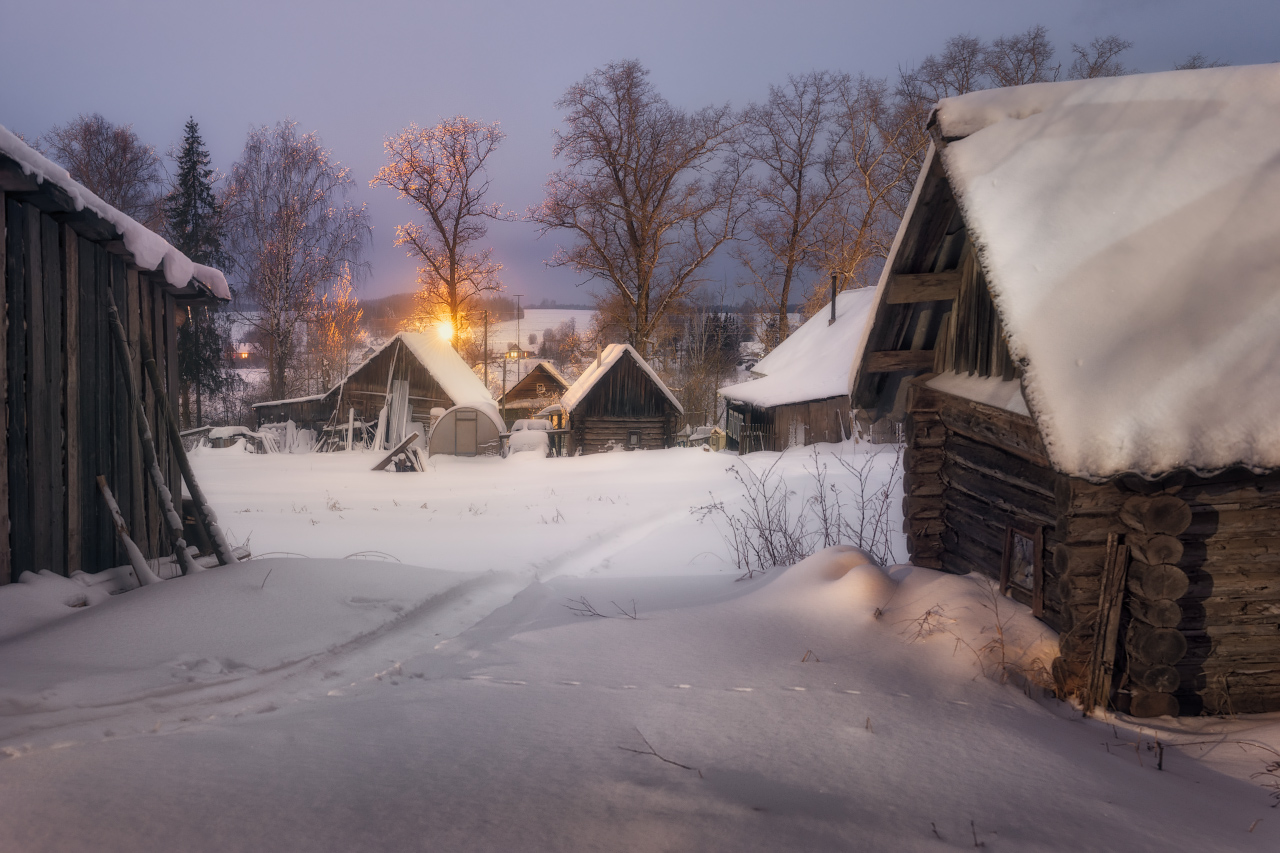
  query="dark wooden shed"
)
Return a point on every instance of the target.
[
  {"x": 618, "y": 402},
  {"x": 1078, "y": 324},
  {"x": 67, "y": 413}
]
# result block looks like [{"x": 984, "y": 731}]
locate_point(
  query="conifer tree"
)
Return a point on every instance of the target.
[{"x": 193, "y": 221}]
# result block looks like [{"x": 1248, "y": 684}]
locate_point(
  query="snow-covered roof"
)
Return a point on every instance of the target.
[
  {"x": 1127, "y": 229},
  {"x": 598, "y": 368},
  {"x": 448, "y": 368},
  {"x": 150, "y": 251},
  {"x": 818, "y": 361}
]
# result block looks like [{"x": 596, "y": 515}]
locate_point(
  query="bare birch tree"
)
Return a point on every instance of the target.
[
  {"x": 112, "y": 162},
  {"x": 1100, "y": 59},
  {"x": 291, "y": 234},
  {"x": 1020, "y": 59},
  {"x": 648, "y": 192},
  {"x": 442, "y": 170},
  {"x": 881, "y": 151},
  {"x": 792, "y": 143}
]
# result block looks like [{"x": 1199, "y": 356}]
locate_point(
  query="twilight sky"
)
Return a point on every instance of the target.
[{"x": 356, "y": 72}]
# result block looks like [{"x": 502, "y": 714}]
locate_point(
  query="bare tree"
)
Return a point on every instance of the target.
[
  {"x": 792, "y": 143},
  {"x": 648, "y": 191},
  {"x": 1199, "y": 60},
  {"x": 334, "y": 333},
  {"x": 291, "y": 233},
  {"x": 1020, "y": 59},
  {"x": 1099, "y": 59},
  {"x": 881, "y": 152},
  {"x": 112, "y": 162},
  {"x": 960, "y": 68},
  {"x": 442, "y": 170}
]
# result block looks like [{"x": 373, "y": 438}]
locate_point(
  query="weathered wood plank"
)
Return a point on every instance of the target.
[
  {"x": 39, "y": 439},
  {"x": 54, "y": 473},
  {"x": 1011, "y": 432},
  {"x": 6, "y": 555},
  {"x": 904, "y": 288},
  {"x": 891, "y": 361},
  {"x": 71, "y": 398}
]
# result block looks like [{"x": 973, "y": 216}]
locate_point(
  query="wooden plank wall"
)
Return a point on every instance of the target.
[{"x": 67, "y": 415}]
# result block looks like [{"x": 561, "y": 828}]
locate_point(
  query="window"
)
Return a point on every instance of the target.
[
  {"x": 1022, "y": 569},
  {"x": 633, "y": 439},
  {"x": 542, "y": 389}
]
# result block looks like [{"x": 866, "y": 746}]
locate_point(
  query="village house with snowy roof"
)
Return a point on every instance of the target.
[
  {"x": 1079, "y": 323},
  {"x": 800, "y": 392},
  {"x": 619, "y": 402},
  {"x": 66, "y": 257}
]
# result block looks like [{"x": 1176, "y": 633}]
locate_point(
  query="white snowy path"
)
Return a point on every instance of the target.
[{"x": 374, "y": 706}]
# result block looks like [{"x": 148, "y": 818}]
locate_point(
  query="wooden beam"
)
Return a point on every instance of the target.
[
  {"x": 71, "y": 397},
  {"x": 904, "y": 288},
  {"x": 890, "y": 361},
  {"x": 6, "y": 557}
]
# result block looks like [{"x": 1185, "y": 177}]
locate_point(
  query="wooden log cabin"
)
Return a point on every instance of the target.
[
  {"x": 68, "y": 417},
  {"x": 538, "y": 386},
  {"x": 1078, "y": 323},
  {"x": 617, "y": 402},
  {"x": 799, "y": 393}
]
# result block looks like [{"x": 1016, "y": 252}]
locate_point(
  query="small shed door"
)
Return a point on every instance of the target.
[{"x": 466, "y": 429}]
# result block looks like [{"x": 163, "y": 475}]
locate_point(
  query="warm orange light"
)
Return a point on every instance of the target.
[{"x": 445, "y": 329}]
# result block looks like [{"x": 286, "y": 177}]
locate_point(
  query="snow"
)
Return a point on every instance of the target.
[
  {"x": 1126, "y": 227},
  {"x": 818, "y": 361},
  {"x": 991, "y": 390},
  {"x": 453, "y": 701},
  {"x": 528, "y": 440},
  {"x": 447, "y": 367},
  {"x": 535, "y": 322},
  {"x": 599, "y": 367},
  {"x": 150, "y": 251}
]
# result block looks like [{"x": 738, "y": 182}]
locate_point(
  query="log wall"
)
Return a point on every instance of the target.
[
  {"x": 66, "y": 413},
  {"x": 1200, "y": 594}
]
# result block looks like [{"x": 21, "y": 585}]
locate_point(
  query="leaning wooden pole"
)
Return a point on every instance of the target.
[
  {"x": 141, "y": 570},
  {"x": 205, "y": 516},
  {"x": 173, "y": 521}
]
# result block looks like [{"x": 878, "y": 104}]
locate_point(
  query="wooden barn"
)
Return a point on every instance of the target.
[
  {"x": 617, "y": 402},
  {"x": 411, "y": 375},
  {"x": 538, "y": 386},
  {"x": 800, "y": 392},
  {"x": 1079, "y": 321},
  {"x": 69, "y": 413}
]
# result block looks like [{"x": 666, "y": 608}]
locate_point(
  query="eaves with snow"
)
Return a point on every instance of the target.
[
  {"x": 150, "y": 251},
  {"x": 817, "y": 362},
  {"x": 599, "y": 368},
  {"x": 1127, "y": 228}
]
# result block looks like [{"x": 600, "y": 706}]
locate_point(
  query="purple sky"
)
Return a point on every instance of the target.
[{"x": 355, "y": 72}]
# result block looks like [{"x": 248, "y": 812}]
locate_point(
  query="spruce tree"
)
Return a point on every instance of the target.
[{"x": 193, "y": 220}]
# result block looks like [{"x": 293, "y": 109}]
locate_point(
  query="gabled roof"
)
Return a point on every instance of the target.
[
  {"x": 597, "y": 370},
  {"x": 527, "y": 368},
  {"x": 440, "y": 360},
  {"x": 150, "y": 251},
  {"x": 818, "y": 361},
  {"x": 1127, "y": 229}
]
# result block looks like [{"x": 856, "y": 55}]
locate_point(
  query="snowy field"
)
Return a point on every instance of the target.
[
  {"x": 535, "y": 322},
  {"x": 453, "y": 701}
]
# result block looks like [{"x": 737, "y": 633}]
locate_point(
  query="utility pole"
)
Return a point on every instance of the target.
[
  {"x": 519, "y": 340},
  {"x": 486, "y": 349}
]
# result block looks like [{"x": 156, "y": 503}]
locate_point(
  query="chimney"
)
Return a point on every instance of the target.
[{"x": 833, "y": 300}]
